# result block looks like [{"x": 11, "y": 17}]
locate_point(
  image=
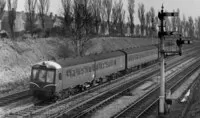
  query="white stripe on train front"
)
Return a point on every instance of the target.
[
  {"x": 49, "y": 85},
  {"x": 35, "y": 84}
]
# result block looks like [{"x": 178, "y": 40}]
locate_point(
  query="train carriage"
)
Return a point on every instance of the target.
[
  {"x": 75, "y": 72},
  {"x": 135, "y": 58},
  {"x": 108, "y": 63},
  {"x": 66, "y": 76}
]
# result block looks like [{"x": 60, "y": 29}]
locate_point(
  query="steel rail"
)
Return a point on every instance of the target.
[
  {"x": 137, "y": 109},
  {"x": 81, "y": 113},
  {"x": 40, "y": 110}
]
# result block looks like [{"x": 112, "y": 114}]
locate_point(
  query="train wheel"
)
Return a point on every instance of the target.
[
  {"x": 77, "y": 89},
  {"x": 108, "y": 78},
  {"x": 138, "y": 67},
  {"x": 92, "y": 83},
  {"x": 96, "y": 82},
  {"x": 100, "y": 80},
  {"x": 57, "y": 96},
  {"x": 87, "y": 85},
  {"x": 66, "y": 93},
  {"x": 62, "y": 95},
  {"x": 114, "y": 76}
]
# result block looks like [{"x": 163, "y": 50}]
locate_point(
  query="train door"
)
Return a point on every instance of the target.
[{"x": 59, "y": 81}]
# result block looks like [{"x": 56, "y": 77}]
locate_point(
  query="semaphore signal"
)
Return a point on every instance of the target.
[{"x": 179, "y": 42}]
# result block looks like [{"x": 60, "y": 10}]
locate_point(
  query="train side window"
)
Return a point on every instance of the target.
[
  {"x": 73, "y": 73},
  {"x": 89, "y": 69},
  {"x": 60, "y": 76}
]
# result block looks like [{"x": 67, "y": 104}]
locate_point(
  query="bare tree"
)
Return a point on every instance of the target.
[
  {"x": 191, "y": 27},
  {"x": 80, "y": 28},
  {"x": 176, "y": 22},
  {"x": 131, "y": 6},
  {"x": 103, "y": 18},
  {"x": 115, "y": 15},
  {"x": 148, "y": 23},
  {"x": 152, "y": 18},
  {"x": 168, "y": 25},
  {"x": 96, "y": 10},
  {"x": 2, "y": 6},
  {"x": 30, "y": 6},
  {"x": 121, "y": 17},
  {"x": 77, "y": 28},
  {"x": 88, "y": 18},
  {"x": 196, "y": 28},
  {"x": 184, "y": 29},
  {"x": 118, "y": 15},
  {"x": 108, "y": 7},
  {"x": 156, "y": 23},
  {"x": 67, "y": 13},
  {"x": 187, "y": 28},
  {"x": 43, "y": 8},
  {"x": 137, "y": 30},
  {"x": 12, "y": 6},
  {"x": 197, "y": 25},
  {"x": 141, "y": 17}
]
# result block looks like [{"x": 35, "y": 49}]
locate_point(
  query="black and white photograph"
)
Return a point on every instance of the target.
[{"x": 99, "y": 58}]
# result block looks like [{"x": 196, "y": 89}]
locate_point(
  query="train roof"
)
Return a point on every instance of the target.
[
  {"x": 102, "y": 56},
  {"x": 90, "y": 58},
  {"x": 87, "y": 59},
  {"x": 74, "y": 61},
  {"x": 48, "y": 64},
  {"x": 137, "y": 50}
]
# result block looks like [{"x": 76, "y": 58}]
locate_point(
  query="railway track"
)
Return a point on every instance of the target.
[
  {"x": 65, "y": 108},
  {"x": 25, "y": 111},
  {"x": 153, "y": 108},
  {"x": 139, "y": 108},
  {"x": 86, "y": 109},
  {"x": 14, "y": 97},
  {"x": 35, "y": 110}
]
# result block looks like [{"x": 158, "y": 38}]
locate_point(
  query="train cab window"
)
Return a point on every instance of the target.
[
  {"x": 89, "y": 69},
  {"x": 38, "y": 75},
  {"x": 35, "y": 75},
  {"x": 43, "y": 75},
  {"x": 50, "y": 76}
]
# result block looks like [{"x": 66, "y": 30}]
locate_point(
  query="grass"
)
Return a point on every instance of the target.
[{"x": 14, "y": 87}]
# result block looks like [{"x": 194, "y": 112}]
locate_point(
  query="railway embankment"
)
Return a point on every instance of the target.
[
  {"x": 192, "y": 110},
  {"x": 18, "y": 56},
  {"x": 186, "y": 99}
]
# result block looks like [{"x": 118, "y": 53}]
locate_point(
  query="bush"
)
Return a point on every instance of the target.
[
  {"x": 65, "y": 51},
  {"x": 57, "y": 31}
]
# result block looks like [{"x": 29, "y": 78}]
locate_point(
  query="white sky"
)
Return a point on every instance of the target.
[{"x": 187, "y": 7}]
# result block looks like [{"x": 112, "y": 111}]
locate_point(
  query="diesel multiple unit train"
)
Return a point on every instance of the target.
[{"x": 63, "y": 77}]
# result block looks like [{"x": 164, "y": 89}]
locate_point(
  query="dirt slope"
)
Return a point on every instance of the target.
[{"x": 113, "y": 43}]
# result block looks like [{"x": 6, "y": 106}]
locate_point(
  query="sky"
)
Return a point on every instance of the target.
[{"x": 187, "y": 7}]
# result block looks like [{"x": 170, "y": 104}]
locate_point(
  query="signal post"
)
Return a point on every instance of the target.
[
  {"x": 162, "y": 51},
  {"x": 162, "y": 33},
  {"x": 162, "y": 81}
]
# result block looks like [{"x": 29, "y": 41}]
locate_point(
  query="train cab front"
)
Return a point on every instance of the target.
[{"x": 42, "y": 84}]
